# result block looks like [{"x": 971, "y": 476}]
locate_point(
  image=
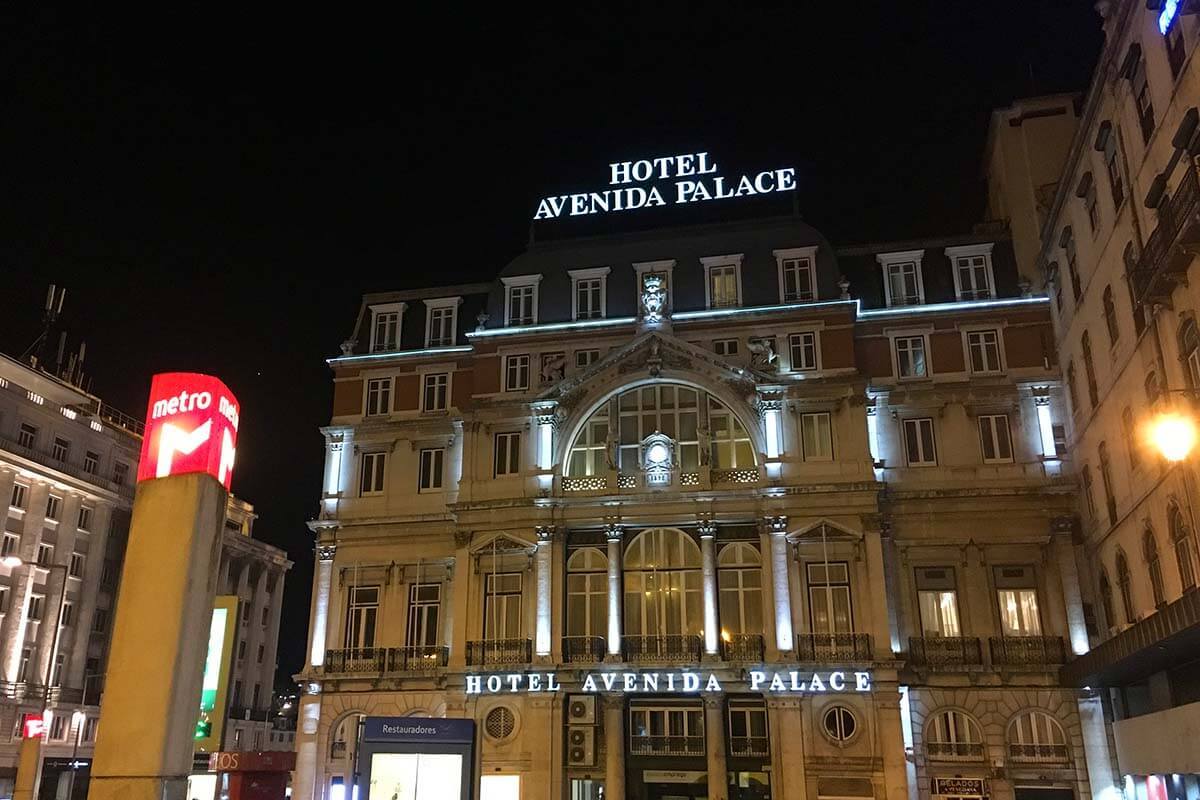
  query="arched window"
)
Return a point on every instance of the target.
[
  {"x": 1106, "y": 600},
  {"x": 1036, "y": 736},
  {"x": 663, "y": 587},
  {"x": 587, "y": 594},
  {"x": 1089, "y": 369},
  {"x": 1153, "y": 565},
  {"x": 697, "y": 422},
  {"x": 953, "y": 735},
  {"x": 1110, "y": 498},
  {"x": 1129, "y": 427},
  {"x": 1110, "y": 316},
  {"x": 1189, "y": 351},
  {"x": 1125, "y": 585},
  {"x": 739, "y": 575},
  {"x": 1072, "y": 388},
  {"x": 1181, "y": 540},
  {"x": 345, "y": 737},
  {"x": 1152, "y": 387}
]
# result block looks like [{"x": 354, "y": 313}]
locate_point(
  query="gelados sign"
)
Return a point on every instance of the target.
[
  {"x": 685, "y": 682},
  {"x": 191, "y": 426},
  {"x": 667, "y": 180}
]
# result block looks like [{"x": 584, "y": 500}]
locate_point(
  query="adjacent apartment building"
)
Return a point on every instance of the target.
[
  {"x": 1117, "y": 252},
  {"x": 716, "y": 511}
]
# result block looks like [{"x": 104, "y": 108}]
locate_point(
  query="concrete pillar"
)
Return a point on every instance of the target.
[
  {"x": 1068, "y": 574},
  {"x": 785, "y": 639},
  {"x": 788, "y": 779},
  {"x": 15, "y": 628},
  {"x": 891, "y": 744},
  {"x": 714, "y": 746},
  {"x": 89, "y": 588},
  {"x": 770, "y": 650},
  {"x": 322, "y": 584},
  {"x": 7, "y": 478},
  {"x": 1101, "y": 774},
  {"x": 541, "y": 636},
  {"x": 616, "y": 591},
  {"x": 708, "y": 554},
  {"x": 308, "y": 775},
  {"x": 461, "y": 599},
  {"x": 55, "y": 588},
  {"x": 880, "y": 628},
  {"x": 614, "y": 747}
]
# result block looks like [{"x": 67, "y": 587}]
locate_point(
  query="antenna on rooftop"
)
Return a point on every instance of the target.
[{"x": 36, "y": 352}]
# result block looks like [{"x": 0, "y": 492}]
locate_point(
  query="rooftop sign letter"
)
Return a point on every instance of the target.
[{"x": 191, "y": 426}]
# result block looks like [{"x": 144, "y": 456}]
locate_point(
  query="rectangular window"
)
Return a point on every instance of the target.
[
  {"x": 53, "y": 507},
  {"x": 372, "y": 468},
  {"x": 27, "y": 435},
  {"x": 36, "y": 604},
  {"x": 919, "y": 448},
  {"x": 984, "y": 347},
  {"x": 89, "y": 729},
  {"x": 1016, "y": 596},
  {"x": 589, "y": 294},
  {"x": 722, "y": 286},
  {"x": 816, "y": 436},
  {"x": 725, "y": 347},
  {"x": 60, "y": 449},
  {"x": 1145, "y": 106},
  {"x": 502, "y": 606},
  {"x": 804, "y": 350},
  {"x": 1113, "y": 166},
  {"x": 68, "y": 614},
  {"x": 507, "y": 454},
  {"x": 994, "y": 436},
  {"x": 262, "y": 652},
  {"x": 91, "y": 462},
  {"x": 362, "y": 613},
  {"x": 100, "y": 620},
  {"x": 10, "y": 545},
  {"x": 520, "y": 305},
  {"x": 910, "y": 357},
  {"x": 120, "y": 473},
  {"x": 1072, "y": 257},
  {"x": 3, "y": 599},
  {"x": 379, "y": 396},
  {"x": 903, "y": 283},
  {"x": 45, "y": 555},
  {"x": 441, "y": 326},
  {"x": 1176, "y": 52},
  {"x": 585, "y": 358},
  {"x": 666, "y": 730},
  {"x": 23, "y": 670},
  {"x": 430, "y": 479},
  {"x": 60, "y": 661},
  {"x": 1093, "y": 209},
  {"x": 385, "y": 332},
  {"x": 516, "y": 373},
  {"x": 58, "y": 727},
  {"x": 77, "y": 563},
  {"x": 747, "y": 726},
  {"x": 829, "y": 597},
  {"x": 937, "y": 597},
  {"x": 435, "y": 392},
  {"x": 974, "y": 277},
  {"x": 20, "y": 494},
  {"x": 799, "y": 284},
  {"x": 424, "y": 610}
]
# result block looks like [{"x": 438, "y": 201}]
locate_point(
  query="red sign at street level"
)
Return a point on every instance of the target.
[{"x": 191, "y": 426}]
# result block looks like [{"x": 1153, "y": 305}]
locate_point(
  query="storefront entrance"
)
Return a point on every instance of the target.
[{"x": 665, "y": 784}]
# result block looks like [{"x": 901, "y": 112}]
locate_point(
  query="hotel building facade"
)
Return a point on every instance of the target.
[{"x": 718, "y": 511}]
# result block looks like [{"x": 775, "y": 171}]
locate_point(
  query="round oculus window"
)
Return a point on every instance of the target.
[{"x": 839, "y": 723}]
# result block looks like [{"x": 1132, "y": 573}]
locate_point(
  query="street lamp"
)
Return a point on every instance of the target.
[{"x": 1174, "y": 435}]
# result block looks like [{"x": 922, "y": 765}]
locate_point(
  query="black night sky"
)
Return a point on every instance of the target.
[{"x": 217, "y": 186}]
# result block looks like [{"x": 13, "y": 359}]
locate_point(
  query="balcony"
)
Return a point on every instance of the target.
[
  {"x": 666, "y": 745},
  {"x": 1027, "y": 651},
  {"x": 945, "y": 652},
  {"x": 1165, "y": 259},
  {"x": 380, "y": 660},
  {"x": 417, "y": 658},
  {"x": 749, "y": 747},
  {"x": 583, "y": 649},
  {"x": 498, "y": 652},
  {"x": 834, "y": 648},
  {"x": 954, "y": 751},
  {"x": 1038, "y": 753},
  {"x": 46, "y": 458},
  {"x": 248, "y": 713},
  {"x": 356, "y": 660},
  {"x": 671, "y": 648},
  {"x": 743, "y": 648}
]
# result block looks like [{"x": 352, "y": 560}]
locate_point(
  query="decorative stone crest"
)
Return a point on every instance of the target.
[
  {"x": 553, "y": 368},
  {"x": 654, "y": 298},
  {"x": 762, "y": 354}
]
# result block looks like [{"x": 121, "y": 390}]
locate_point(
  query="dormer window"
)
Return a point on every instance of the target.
[
  {"x": 521, "y": 299},
  {"x": 441, "y": 321},
  {"x": 902, "y": 282},
  {"x": 589, "y": 295},
  {"x": 797, "y": 274},
  {"x": 385, "y": 326},
  {"x": 723, "y": 280},
  {"x": 972, "y": 265}
]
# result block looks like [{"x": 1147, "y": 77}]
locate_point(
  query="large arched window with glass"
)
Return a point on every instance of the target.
[
  {"x": 663, "y": 584},
  {"x": 1036, "y": 736},
  {"x": 739, "y": 577},
  {"x": 587, "y": 599},
  {"x": 953, "y": 735},
  {"x": 1189, "y": 351},
  {"x": 1153, "y": 566},
  {"x": 1106, "y": 600},
  {"x": 702, "y": 428},
  {"x": 1181, "y": 540},
  {"x": 1125, "y": 585}
]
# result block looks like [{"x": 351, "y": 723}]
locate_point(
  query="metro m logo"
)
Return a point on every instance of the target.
[
  {"x": 191, "y": 426},
  {"x": 174, "y": 439}
]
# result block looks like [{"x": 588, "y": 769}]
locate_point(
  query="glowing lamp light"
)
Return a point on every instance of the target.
[
  {"x": 1174, "y": 435},
  {"x": 657, "y": 454}
]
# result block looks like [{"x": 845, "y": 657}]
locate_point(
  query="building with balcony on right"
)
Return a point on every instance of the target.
[{"x": 1117, "y": 254}]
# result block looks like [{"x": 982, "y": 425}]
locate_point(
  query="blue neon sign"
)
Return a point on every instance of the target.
[{"x": 1169, "y": 12}]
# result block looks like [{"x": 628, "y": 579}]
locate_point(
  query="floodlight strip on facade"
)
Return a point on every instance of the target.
[
  {"x": 392, "y": 354},
  {"x": 581, "y": 324},
  {"x": 960, "y": 305},
  {"x": 713, "y": 313}
]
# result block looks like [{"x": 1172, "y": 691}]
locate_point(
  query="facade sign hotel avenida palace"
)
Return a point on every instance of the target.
[{"x": 722, "y": 511}]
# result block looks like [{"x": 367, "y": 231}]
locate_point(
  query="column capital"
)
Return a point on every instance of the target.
[
  {"x": 462, "y": 538},
  {"x": 706, "y": 528},
  {"x": 545, "y": 533},
  {"x": 714, "y": 702},
  {"x": 326, "y": 552},
  {"x": 776, "y": 525},
  {"x": 614, "y": 531},
  {"x": 1062, "y": 525},
  {"x": 613, "y": 700}
]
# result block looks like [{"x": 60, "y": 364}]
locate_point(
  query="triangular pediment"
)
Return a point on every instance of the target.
[
  {"x": 824, "y": 529},
  {"x": 501, "y": 544}
]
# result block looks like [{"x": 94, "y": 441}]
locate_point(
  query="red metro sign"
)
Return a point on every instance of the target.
[{"x": 191, "y": 426}]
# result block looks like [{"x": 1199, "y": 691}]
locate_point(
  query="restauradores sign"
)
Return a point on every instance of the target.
[
  {"x": 673, "y": 682},
  {"x": 666, "y": 180}
]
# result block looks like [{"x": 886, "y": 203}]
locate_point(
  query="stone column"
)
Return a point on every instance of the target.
[
  {"x": 781, "y": 590},
  {"x": 880, "y": 629},
  {"x": 322, "y": 584},
  {"x": 614, "y": 747},
  {"x": 1100, "y": 763},
  {"x": 558, "y": 566},
  {"x": 714, "y": 746},
  {"x": 977, "y": 615},
  {"x": 891, "y": 744},
  {"x": 616, "y": 590},
  {"x": 89, "y": 588},
  {"x": 708, "y": 554},
  {"x": 7, "y": 478},
  {"x": 461, "y": 598},
  {"x": 786, "y": 726},
  {"x": 541, "y": 639},
  {"x": 1068, "y": 573},
  {"x": 770, "y": 651},
  {"x": 307, "y": 776},
  {"x": 16, "y": 620}
]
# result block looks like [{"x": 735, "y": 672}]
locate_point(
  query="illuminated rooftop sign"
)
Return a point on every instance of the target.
[
  {"x": 682, "y": 682},
  {"x": 1169, "y": 12},
  {"x": 191, "y": 426},
  {"x": 668, "y": 180}
]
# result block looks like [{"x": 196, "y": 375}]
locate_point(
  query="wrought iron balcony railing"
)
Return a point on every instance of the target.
[
  {"x": 666, "y": 745},
  {"x": 417, "y": 658},
  {"x": 1040, "y": 753},
  {"x": 356, "y": 660},
  {"x": 670, "y": 648},
  {"x": 954, "y": 751},
  {"x": 583, "y": 649},
  {"x": 1162, "y": 264},
  {"x": 945, "y": 652},
  {"x": 749, "y": 746},
  {"x": 834, "y": 648},
  {"x": 1027, "y": 651},
  {"x": 743, "y": 648},
  {"x": 491, "y": 652}
]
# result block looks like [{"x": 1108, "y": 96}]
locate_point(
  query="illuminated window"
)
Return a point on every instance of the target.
[
  {"x": 435, "y": 391},
  {"x": 816, "y": 436},
  {"x": 587, "y": 593},
  {"x": 803, "y": 348},
  {"x": 516, "y": 373},
  {"x": 663, "y": 584},
  {"x": 919, "y": 447},
  {"x": 371, "y": 473},
  {"x": 589, "y": 290},
  {"x": 502, "y": 606},
  {"x": 984, "y": 349},
  {"x": 507, "y": 454},
  {"x": 797, "y": 274},
  {"x": 424, "y": 609},
  {"x": 1036, "y": 736},
  {"x": 521, "y": 299},
  {"x": 910, "y": 357},
  {"x": 379, "y": 396},
  {"x": 972, "y": 271},
  {"x": 385, "y": 327},
  {"x": 739, "y": 581},
  {"x": 830, "y": 609},
  {"x": 27, "y": 435},
  {"x": 902, "y": 282},
  {"x": 362, "y": 614},
  {"x": 995, "y": 439},
  {"x": 1017, "y": 597},
  {"x": 431, "y": 463},
  {"x": 91, "y": 462},
  {"x": 722, "y": 286},
  {"x": 937, "y": 598},
  {"x": 953, "y": 735},
  {"x": 730, "y": 447}
]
